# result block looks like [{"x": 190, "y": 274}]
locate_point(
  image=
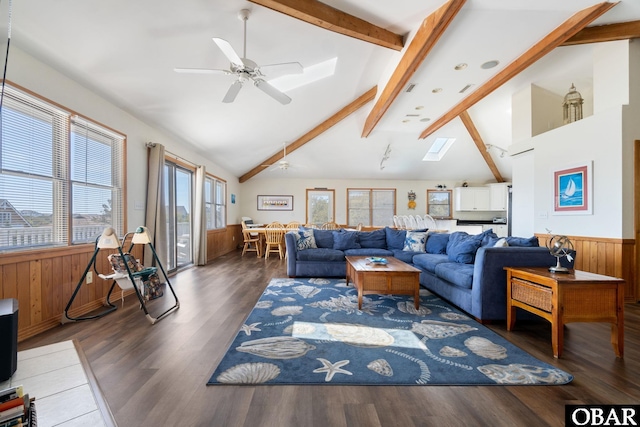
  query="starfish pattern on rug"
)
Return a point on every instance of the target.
[
  {"x": 331, "y": 368},
  {"x": 252, "y": 327}
]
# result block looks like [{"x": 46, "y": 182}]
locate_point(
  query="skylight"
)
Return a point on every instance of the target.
[
  {"x": 438, "y": 149},
  {"x": 310, "y": 74}
]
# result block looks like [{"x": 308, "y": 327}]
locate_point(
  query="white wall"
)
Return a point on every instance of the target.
[
  {"x": 610, "y": 75},
  {"x": 522, "y": 212},
  {"x": 43, "y": 80},
  {"x": 604, "y": 139},
  {"x": 258, "y": 186},
  {"x": 546, "y": 110}
]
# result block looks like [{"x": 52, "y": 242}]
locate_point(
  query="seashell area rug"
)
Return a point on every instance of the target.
[{"x": 310, "y": 331}]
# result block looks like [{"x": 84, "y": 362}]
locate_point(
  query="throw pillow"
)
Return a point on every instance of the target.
[
  {"x": 462, "y": 247},
  {"x": 523, "y": 241},
  {"x": 501, "y": 243},
  {"x": 395, "y": 238},
  {"x": 415, "y": 241},
  {"x": 324, "y": 238},
  {"x": 373, "y": 239},
  {"x": 487, "y": 236},
  {"x": 304, "y": 239},
  {"x": 437, "y": 243},
  {"x": 343, "y": 240}
]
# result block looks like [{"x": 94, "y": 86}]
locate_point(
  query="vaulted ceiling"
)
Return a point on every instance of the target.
[{"x": 395, "y": 88}]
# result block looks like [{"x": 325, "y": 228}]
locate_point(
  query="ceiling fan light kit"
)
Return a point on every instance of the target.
[{"x": 247, "y": 70}]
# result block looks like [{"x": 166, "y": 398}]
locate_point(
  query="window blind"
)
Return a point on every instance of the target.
[{"x": 61, "y": 179}]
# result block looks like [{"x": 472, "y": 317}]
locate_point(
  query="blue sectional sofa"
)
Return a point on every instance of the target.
[{"x": 466, "y": 270}]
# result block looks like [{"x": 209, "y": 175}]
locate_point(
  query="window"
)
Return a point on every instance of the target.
[
  {"x": 61, "y": 177},
  {"x": 320, "y": 206},
  {"x": 177, "y": 192},
  {"x": 371, "y": 207},
  {"x": 439, "y": 204},
  {"x": 215, "y": 191}
]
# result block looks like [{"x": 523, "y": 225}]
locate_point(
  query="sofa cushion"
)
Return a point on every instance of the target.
[
  {"x": 459, "y": 274},
  {"x": 345, "y": 240},
  {"x": 462, "y": 247},
  {"x": 324, "y": 238},
  {"x": 368, "y": 252},
  {"x": 523, "y": 241},
  {"x": 304, "y": 239},
  {"x": 320, "y": 254},
  {"x": 415, "y": 241},
  {"x": 437, "y": 243},
  {"x": 487, "y": 237},
  {"x": 395, "y": 238},
  {"x": 428, "y": 262},
  {"x": 405, "y": 256},
  {"x": 372, "y": 239}
]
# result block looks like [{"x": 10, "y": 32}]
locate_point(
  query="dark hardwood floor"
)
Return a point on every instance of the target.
[{"x": 155, "y": 375}]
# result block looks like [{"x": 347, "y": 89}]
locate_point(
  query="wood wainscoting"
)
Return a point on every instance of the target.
[
  {"x": 608, "y": 256},
  {"x": 43, "y": 281}
]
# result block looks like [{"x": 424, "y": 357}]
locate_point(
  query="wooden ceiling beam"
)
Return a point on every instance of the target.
[
  {"x": 552, "y": 40},
  {"x": 475, "y": 135},
  {"x": 329, "y": 18},
  {"x": 425, "y": 39},
  {"x": 363, "y": 99},
  {"x": 605, "y": 33}
]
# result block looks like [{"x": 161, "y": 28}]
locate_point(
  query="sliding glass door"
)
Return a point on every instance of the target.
[{"x": 178, "y": 188}]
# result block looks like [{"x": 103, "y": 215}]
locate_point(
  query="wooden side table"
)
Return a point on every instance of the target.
[{"x": 560, "y": 298}]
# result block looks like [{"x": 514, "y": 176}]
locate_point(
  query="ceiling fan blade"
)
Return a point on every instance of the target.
[
  {"x": 228, "y": 51},
  {"x": 232, "y": 92},
  {"x": 271, "y": 91},
  {"x": 284, "y": 69},
  {"x": 200, "y": 71}
]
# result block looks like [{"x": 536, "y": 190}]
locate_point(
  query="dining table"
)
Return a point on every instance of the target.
[{"x": 262, "y": 231}]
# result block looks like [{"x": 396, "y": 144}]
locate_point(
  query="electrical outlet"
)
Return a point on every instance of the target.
[{"x": 89, "y": 277}]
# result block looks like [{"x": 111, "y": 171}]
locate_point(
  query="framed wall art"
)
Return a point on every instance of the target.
[
  {"x": 573, "y": 190},
  {"x": 275, "y": 203}
]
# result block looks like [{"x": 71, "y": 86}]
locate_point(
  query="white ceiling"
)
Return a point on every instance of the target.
[{"x": 126, "y": 51}]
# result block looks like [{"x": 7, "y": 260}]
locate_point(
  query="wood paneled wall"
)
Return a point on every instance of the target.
[
  {"x": 611, "y": 257},
  {"x": 43, "y": 281}
]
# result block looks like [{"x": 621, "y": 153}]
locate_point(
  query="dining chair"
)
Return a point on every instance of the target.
[
  {"x": 329, "y": 226},
  {"x": 274, "y": 239},
  {"x": 396, "y": 222},
  {"x": 293, "y": 225},
  {"x": 430, "y": 223},
  {"x": 420, "y": 223},
  {"x": 251, "y": 241},
  {"x": 359, "y": 227}
]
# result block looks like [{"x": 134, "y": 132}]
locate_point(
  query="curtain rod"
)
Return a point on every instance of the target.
[{"x": 167, "y": 152}]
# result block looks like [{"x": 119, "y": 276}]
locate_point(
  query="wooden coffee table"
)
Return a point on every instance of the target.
[
  {"x": 578, "y": 296},
  {"x": 395, "y": 277}
]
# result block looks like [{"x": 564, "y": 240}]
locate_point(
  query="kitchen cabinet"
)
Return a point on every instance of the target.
[
  {"x": 499, "y": 196},
  {"x": 472, "y": 198}
]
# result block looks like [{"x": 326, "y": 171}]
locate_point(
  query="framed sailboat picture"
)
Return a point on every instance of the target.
[{"x": 573, "y": 190}]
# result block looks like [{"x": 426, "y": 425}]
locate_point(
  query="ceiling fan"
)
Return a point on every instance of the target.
[
  {"x": 246, "y": 70},
  {"x": 283, "y": 164}
]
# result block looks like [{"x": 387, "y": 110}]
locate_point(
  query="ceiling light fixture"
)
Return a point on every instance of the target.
[
  {"x": 426, "y": 119},
  {"x": 437, "y": 90},
  {"x": 385, "y": 156},
  {"x": 460, "y": 66},
  {"x": 489, "y": 64},
  {"x": 464, "y": 89},
  {"x": 419, "y": 107},
  {"x": 502, "y": 150}
]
